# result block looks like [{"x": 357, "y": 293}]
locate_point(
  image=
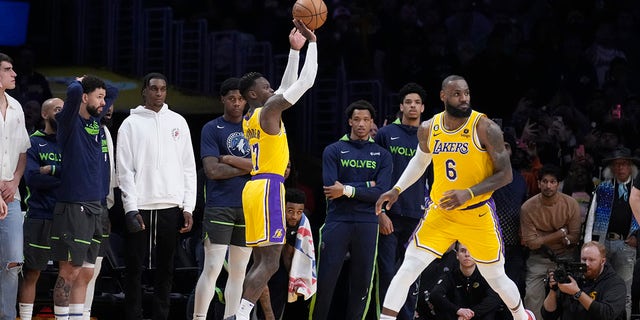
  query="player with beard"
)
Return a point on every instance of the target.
[
  {"x": 89, "y": 276},
  {"x": 469, "y": 163},
  {"x": 76, "y": 231},
  {"x": 42, "y": 177}
]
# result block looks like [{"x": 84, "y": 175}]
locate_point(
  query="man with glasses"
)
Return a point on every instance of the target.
[
  {"x": 610, "y": 220},
  {"x": 550, "y": 226}
]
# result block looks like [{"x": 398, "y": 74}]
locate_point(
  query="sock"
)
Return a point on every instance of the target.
[
  {"x": 386, "y": 317},
  {"x": 61, "y": 313},
  {"x": 26, "y": 310},
  {"x": 75, "y": 311},
  {"x": 88, "y": 300},
  {"x": 199, "y": 316},
  {"x": 244, "y": 312}
]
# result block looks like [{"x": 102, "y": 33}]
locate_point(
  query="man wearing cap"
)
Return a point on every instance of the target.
[{"x": 610, "y": 219}]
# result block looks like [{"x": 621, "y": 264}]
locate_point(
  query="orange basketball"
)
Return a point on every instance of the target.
[{"x": 313, "y": 13}]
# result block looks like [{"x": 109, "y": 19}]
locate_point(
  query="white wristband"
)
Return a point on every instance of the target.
[{"x": 348, "y": 191}]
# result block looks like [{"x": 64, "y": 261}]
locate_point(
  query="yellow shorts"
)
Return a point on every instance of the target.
[
  {"x": 264, "y": 214},
  {"x": 475, "y": 227}
]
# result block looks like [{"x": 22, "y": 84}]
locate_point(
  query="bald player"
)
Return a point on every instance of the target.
[{"x": 42, "y": 177}]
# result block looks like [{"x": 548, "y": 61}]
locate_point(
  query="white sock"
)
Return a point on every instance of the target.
[
  {"x": 75, "y": 311},
  {"x": 386, "y": 317},
  {"x": 26, "y": 310},
  {"x": 88, "y": 300},
  {"x": 61, "y": 313},
  {"x": 244, "y": 312}
]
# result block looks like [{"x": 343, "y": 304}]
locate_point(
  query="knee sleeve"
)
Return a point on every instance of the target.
[
  {"x": 500, "y": 283},
  {"x": 415, "y": 261}
]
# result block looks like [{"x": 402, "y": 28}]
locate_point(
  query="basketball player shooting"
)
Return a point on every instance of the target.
[
  {"x": 263, "y": 195},
  {"x": 469, "y": 163}
]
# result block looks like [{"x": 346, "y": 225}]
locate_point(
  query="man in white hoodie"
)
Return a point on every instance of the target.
[{"x": 157, "y": 175}]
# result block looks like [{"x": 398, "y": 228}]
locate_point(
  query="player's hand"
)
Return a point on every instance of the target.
[
  {"x": 632, "y": 241},
  {"x": 3, "y": 209},
  {"x": 386, "y": 226},
  {"x": 296, "y": 39},
  {"x": 335, "y": 191},
  {"x": 45, "y": 169},
  {"x": 302, "y": 28},
  {"x": 465, "y": 313},
  {"x": 188, "y": 222},
  {"x": 8, "y": 190},
  {"x": 133, "y": 221},
  {"x": 390, "y": 197},
  {"x": 454, "y": 198}
]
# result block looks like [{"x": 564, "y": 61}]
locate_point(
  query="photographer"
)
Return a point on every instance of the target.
[{"x": 600, "y": 296}]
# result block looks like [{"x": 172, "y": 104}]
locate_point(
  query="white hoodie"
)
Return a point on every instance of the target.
[{"x": 155, "y": 161}]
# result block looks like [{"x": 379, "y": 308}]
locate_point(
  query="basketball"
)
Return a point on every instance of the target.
[{"x": 313, "y": 13}]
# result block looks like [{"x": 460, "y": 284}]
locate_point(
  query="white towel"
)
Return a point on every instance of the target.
[{"x": 302, "y": 276}]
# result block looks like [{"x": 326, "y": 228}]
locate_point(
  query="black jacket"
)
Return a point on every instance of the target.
[
  {"x": 454, "y": 291},
  {"x": 609, "y": 292}
]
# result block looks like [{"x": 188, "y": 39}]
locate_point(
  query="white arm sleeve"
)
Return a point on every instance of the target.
[
  {"x": 414, "y": 170},
  {"x": 307, "y": 75},
  {"x": 290, "y": 72}
]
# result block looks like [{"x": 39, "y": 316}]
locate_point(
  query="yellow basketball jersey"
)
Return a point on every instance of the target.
[
  {"x": 269, "y": 153},
  {"x": 459, "y": 161}
]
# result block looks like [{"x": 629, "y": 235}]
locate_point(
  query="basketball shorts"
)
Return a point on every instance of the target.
[
  {"x": 76, "y": 232},
  {"x": 37, "y": 243},
  {"x": 475, "y": 226},
  {"x": 263, "y": 206},
  {"x": 224, "y": 225},
  {"x": 106, "y": 231}
]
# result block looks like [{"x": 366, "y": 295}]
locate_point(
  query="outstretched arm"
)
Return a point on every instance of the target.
[
  {"x": 297, "y": 40},
  {"x": 271, "y": 113}
]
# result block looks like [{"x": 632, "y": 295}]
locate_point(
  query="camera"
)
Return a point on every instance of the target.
[{"x": 566, "y": 268}]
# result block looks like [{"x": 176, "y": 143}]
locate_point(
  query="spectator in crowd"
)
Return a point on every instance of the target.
[
  {"x": 634, "y": 203},
  {"x": 397, "y": 224},
  {"x": 610, "y": 220},
  {"x": 42, "y": 177},
  {"x": 599, "y": 296},
  {"x": 226, "y": 159},
  {"x": 550, "y": 226},
  {"x": 157, "y": 176},
  {"x": 77, "y": 229},
  {"x": 463, "y": 293},
  {"x": 355, "y": 171}
]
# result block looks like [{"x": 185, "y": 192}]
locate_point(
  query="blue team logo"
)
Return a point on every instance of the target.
[{"x": 238, "y": 145}]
